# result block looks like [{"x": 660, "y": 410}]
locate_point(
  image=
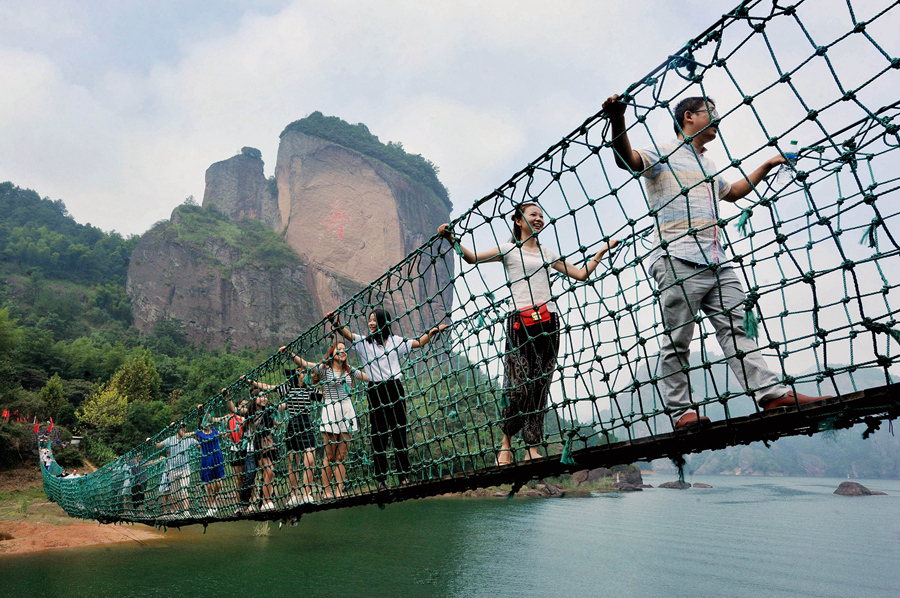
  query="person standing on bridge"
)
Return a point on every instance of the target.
[
  {"x": 177, "y": 476},
  {"x": 689, "y": 261},
  {"x": 262, "y": 451},
  {"x": 380, "y": 353},
  {"x": 532, "y": 329},
  {"x": 338, "y": 420}
]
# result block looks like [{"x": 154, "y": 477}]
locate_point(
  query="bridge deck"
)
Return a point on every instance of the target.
[{"x": 870, "y": 406}]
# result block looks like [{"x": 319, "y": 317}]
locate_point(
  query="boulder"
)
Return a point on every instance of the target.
[
  {"x": 626, "y": 487},
  {"x": 579, "y": 477},
  {"x": 855, "y": 489},
  {"x": 676, "y": 485}
]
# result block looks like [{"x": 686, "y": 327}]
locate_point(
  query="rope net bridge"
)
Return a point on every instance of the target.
[{"x": 815, "y": 249}]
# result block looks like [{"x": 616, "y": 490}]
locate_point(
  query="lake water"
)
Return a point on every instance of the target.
[{"x": 747, "y": 536}]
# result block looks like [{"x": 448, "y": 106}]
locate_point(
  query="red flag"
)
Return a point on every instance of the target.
[
  {"x": 50, "y": 429},
  {"x": 36, "y": 425},
  {"x": 6, "y": 414}
]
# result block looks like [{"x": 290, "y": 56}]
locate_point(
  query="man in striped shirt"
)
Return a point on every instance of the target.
[{"x": 683, "y": 189}]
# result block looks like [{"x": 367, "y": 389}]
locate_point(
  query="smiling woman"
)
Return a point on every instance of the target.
[{"x": 532, "y": 328}]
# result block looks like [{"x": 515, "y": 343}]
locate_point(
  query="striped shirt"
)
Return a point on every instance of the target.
[
  {"x": 689, "y": 225},
  {"x": 333, "y": 386},
  {"x": 297, "y": 399}
]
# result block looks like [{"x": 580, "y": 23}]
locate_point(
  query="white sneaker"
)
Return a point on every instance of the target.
[
  {"x": 186, "y": 514},
  {"x": 211, "y": 512},
  {"x": 308, "y": 499},
  {"x": 294, "y": 501},
  {"x": 267, "y": 506}
]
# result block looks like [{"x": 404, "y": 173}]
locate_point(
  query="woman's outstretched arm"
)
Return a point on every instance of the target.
[
  {"x": 297, "y": 359},
  {"x": 582, "y": 274},
  {"x": 423, "y": 340},
  {"x": 469, "y": 256}
]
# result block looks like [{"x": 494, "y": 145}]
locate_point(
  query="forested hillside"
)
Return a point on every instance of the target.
[{"x": 67, "y": 346}]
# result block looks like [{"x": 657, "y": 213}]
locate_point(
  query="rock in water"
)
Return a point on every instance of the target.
[
  {"x": 854, "y": 489},
  {"x": 676, "y": 485}
]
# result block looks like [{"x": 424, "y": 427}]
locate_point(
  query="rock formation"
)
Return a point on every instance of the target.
[
  {"x": 238, "y": 188},
  {"x": 224, "y": 293},
  {"x": 855, "y": 489},
  {"x": 352, "y": 216},
  {"x": 349, "y": 218}
]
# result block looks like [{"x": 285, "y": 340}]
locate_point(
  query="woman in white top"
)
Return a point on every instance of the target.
[
  {"x": 380, "y": 353},
  {"x": 532, "y": 329},
  {"x": 338, "y": 415}
]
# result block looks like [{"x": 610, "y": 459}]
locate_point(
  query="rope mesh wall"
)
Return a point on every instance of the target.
[{"x": 816, "y": 253}]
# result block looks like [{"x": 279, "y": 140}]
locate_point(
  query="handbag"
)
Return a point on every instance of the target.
[{"x": 534, "y": 314}]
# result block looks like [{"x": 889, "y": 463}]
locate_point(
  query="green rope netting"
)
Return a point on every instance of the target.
[{"x": 816, "y": 252}]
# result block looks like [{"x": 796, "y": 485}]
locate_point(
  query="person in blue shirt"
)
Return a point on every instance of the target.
[{"x": 212, "y": 464}]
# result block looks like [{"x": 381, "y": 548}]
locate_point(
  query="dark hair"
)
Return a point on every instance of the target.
[
  {"x": 332, "y": 352},
  {"x": 693, "y": 104},
  {"x": 293, "y": 377},
  {"x": 382, "y": 326},
  {"x": 519, "y": 212}
]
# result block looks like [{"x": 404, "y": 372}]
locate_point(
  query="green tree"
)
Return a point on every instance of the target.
[
  {"x": 53, "y": 395},
  {"x": 105, "y": 409},
  {"x": 137, "y": 380},
  {"x": 10, "y": 334}
]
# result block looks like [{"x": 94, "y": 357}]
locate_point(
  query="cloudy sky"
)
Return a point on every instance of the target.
[{"x": 118, "y": 107}]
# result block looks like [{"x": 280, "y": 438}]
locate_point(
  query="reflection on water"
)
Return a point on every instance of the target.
[{"x": 743, "y": 537}]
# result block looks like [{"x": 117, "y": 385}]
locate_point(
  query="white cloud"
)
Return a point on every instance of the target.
[{"x": 478, "y": 88}]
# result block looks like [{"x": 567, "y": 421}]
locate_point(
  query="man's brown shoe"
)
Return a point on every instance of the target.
[
  {"x": 689, "y": 420},
  {"x": 791, "y": 399}
]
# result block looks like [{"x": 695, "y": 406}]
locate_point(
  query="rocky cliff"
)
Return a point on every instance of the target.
[
  {"x": 347, "y": 208},
  {"x": 235, "y": 283},
  {"x": 238, "y": 188},
  {"x": 353, "y": 216}
]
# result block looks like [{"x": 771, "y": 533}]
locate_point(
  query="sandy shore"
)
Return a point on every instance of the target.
[
  {"x": 34, "y": 536},
  {"x": 43, "y": 525}
]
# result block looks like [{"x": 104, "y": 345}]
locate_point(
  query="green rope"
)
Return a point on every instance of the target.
[
  {"x": 830, "y": 304},
  {"x": 751, "y": 324},
  {"x": 566, "y": 458}
]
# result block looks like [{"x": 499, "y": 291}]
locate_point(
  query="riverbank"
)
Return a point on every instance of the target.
[{"x": 29, "y": 523}]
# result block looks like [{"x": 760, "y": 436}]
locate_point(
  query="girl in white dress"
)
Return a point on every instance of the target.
[{"x": 338, "y": 415}]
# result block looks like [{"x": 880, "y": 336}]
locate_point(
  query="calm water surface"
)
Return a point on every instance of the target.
[{"x": 744, "y": 537}]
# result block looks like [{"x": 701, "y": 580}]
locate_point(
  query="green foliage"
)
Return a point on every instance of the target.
[
  {"x": 53, "y": 395},
  {"x": 14, "y": 443},
  {"x": 358, "y": 138},
  {"x": 142, "y": 421},
  {"x": 68, "y": 458},
  {"x": 40, "y": 233},
  {"x": 170, "y": 338},
  {"x": 97, "y": 451},
  {"x": 10, "y": 334},
  {"x": 137, "y": 380},
  {"x": 255, "y": 242},
  {"x": 106, "y": 408}
]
